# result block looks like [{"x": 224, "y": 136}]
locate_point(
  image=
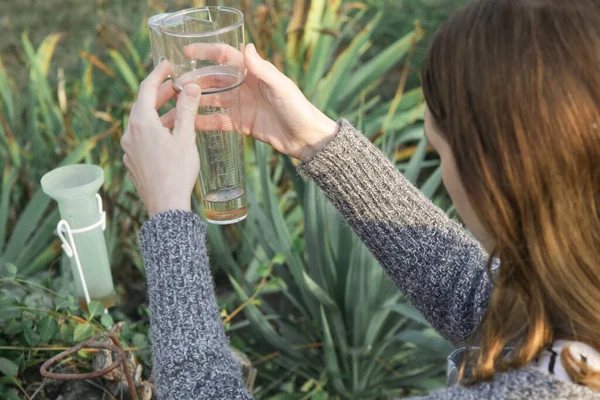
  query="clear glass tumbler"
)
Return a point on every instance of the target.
[
  {"x": 206, "y": 46},
  {"x": 156, "y": 41}
]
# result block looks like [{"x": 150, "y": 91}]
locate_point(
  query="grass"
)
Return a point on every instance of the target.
[{"x": 80, "y": 22}]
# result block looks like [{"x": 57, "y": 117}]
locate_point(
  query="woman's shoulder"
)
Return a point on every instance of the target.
[{"x": 518, "y": 385}]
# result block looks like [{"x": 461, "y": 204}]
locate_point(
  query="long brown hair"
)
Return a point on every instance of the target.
[{"x": 514, "y": 88}]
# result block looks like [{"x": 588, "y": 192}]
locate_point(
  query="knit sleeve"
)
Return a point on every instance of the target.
[
  {"x": 437, "y": 265},
  {"x": 190, "y": 352}
]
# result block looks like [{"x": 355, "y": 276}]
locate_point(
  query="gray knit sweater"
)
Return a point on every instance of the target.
[{"x": 439, "y": 268}]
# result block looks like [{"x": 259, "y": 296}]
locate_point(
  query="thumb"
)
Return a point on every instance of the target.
[
  {"x": 187, "y": 109},
  {"x": 259, "y": 67}
]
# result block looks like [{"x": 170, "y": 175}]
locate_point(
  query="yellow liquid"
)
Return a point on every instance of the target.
[
  {"x": 108, "y": 301},
  {"x": 226, "y": 215},
  {"x": 226, "y": 206}
]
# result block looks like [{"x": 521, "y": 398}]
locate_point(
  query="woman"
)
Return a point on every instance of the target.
[{"x": 513, "y": 109}]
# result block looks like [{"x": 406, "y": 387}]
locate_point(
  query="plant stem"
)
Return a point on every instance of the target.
[
  {"x": 259, "y": 288},
  {"x": 16, "y": 382},
  {"x": 317, "y": 388},
  {"x": 57, "y": 348},
  {"x": 59, "y": 315},
  {"x": 265, "y": 358},
  {"x": 52, "y": 292},
  {"x": 277, "y": 354},
  {"x": 418, "y": 34}
]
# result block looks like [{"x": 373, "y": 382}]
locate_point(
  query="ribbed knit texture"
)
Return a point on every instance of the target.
[
  {"x": 434, "y": 262},
  {"x": 439, "y": 268},
  {"x": 190, "y": 352}
]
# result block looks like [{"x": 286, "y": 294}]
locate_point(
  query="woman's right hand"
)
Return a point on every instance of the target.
[{"x": 274, "y": 110}]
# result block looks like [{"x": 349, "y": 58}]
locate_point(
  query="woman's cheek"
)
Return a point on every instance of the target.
[{"x": 459, "y": 197}]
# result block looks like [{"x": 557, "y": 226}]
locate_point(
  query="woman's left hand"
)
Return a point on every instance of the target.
[{"x": 160, "y": 152}]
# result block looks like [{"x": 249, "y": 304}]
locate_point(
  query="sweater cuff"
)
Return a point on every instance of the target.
[
  {"x": 364, "y": 185},
  {"x": 347, "y": 138},
  {"x": 166, "y": 235}
]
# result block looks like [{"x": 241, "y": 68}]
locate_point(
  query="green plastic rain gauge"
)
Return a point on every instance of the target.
[{"x": 81, "y": 229}]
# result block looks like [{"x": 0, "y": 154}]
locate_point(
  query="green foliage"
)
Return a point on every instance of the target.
[
  {"x": 75, "y": 131},
  {"x": 48, "y": 328},
  {"x": 35, "y": 329},
  {"x": 8, "y": 367},
  {"x": 431, "y": 14},
  {"x": 107, "y": 321},
  {"x": 82, "y": 332},
  {"x": 95, "y": 308}
]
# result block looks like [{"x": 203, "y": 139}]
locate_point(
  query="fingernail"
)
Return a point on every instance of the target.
[
  {"x": 192, "y": 90},
  {"x": 253, "y": 48}
]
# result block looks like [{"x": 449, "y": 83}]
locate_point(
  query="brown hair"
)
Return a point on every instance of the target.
[{"x": 514, "y": 88}]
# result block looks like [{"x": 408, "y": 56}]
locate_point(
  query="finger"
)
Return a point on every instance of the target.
[
  {"x": 224, "y": 100},
  {"x": 168, "y": 120},
  {"x": 261, "y": 68},
  {"x": 215, "y": 118},
  {"x": 208, "y": 78},
  {"x": 211, "y": 122},
  {"x": 148, "y": 95},
  {"x": 164, "y": 94},
  {"x": 187, "y": 109},
  {"x": 219, "y": 53},
  {"x": 216, "y": 122},
  {"x": 209, "y": 82}
]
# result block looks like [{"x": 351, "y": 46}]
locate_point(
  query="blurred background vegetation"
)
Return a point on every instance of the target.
[{"x": 302, "y": 299}]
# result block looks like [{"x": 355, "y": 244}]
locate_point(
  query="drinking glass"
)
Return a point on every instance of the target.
[
  {"x": 457, "y": 358},
  {"x": 156, "y": 41},
  {"x": 205, "y": 46}
]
